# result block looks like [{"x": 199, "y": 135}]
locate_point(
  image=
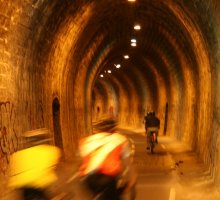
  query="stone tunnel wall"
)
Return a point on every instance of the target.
[
  {"x": 30, "y": 79},
  {"x": 20, "y": 110},
  {"x": 215, "y": 141}
]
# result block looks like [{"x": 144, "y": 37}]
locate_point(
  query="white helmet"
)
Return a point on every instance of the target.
[{"x": 97, "y": 149}]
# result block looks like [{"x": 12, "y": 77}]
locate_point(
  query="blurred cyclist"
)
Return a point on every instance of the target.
[
  {"x": 152, "y": 124},
  {"x": 32, "y": 168},
  {"x": 106, "y": 157}
]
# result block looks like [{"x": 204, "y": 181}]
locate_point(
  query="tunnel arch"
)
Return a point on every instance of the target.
[{"x": 59, "y": 49}]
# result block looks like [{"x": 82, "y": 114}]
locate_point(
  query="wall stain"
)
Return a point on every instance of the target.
[{"x": 8, "y": 135}]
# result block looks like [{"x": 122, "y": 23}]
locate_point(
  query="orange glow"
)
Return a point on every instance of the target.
[
  {"x": 137, "y": 27},
  {"x": 34, "y": 166}
]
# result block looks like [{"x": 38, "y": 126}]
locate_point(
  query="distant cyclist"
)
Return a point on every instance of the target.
[{"x": 152, "y": 124}]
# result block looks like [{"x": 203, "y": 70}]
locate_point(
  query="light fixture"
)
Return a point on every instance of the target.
[
  {"x": 137, "y": 27},
  {"x": 133, "y": 44},
  {"x": 102, "y": 75},
  {"x": 126, "y": 56},
  {"x": 117, "y": 66},
  {"x": 133, "y": 40},
  {"x": 131, "y": 0},
  {"x": 109, "y": 71}
]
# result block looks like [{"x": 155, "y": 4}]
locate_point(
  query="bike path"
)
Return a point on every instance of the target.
[
  {"x": 155, "y": 177},
  {"x": 187, "y": 177},
  {"x": 172, "y": 173}
]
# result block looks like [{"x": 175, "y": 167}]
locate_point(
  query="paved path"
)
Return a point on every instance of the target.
[
  {"x": 172, "y": 173},
  {"x": 155, "y": 171}
]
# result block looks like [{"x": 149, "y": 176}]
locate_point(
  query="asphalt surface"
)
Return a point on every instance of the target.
[
  {"x": 173, "y": 172},
  {"x": 155, "y": 179}
]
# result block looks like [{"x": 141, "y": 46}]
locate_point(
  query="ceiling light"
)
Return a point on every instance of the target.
[
  {"x": 109, "y": 71},
  {"x": 117, "y": 66},
  {"x": 102, "y": 75},
  {"x": 137, "y": 27},
  {"x": 131, "y": 0},
  {"x": 133, "y": 40},
  {"x": 126, "y": 56},
  {"x": 133, "y": 44}
]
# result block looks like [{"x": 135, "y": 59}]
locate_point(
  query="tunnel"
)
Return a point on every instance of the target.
[{"x": 65, "y": 64}]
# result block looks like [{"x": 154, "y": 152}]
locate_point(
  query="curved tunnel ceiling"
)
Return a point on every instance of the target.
[
  {"x": 165, "y": 44},
  {"x": 56, "y": 50},
  {"x": 170, "y": 64}
]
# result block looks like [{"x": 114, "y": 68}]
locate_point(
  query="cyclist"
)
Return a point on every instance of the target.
[
  {"x": 152, "y": 124},
  {"x": 105, "y": 160}
]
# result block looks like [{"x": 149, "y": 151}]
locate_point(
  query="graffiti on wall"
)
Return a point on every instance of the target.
[
  {"x": 35, "y": 117},
  {"x": 8, "y": 136}
]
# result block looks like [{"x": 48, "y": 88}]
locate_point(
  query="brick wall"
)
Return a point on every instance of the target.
[{"x": 47, "y": 51}]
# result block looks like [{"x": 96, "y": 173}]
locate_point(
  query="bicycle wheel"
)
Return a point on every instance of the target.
[{"x": 152, "y": 147}]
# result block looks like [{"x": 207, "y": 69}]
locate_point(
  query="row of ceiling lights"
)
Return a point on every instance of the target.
[
  {"x": 109, "y": 71},
  {"x": 133, "y": 43}
]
